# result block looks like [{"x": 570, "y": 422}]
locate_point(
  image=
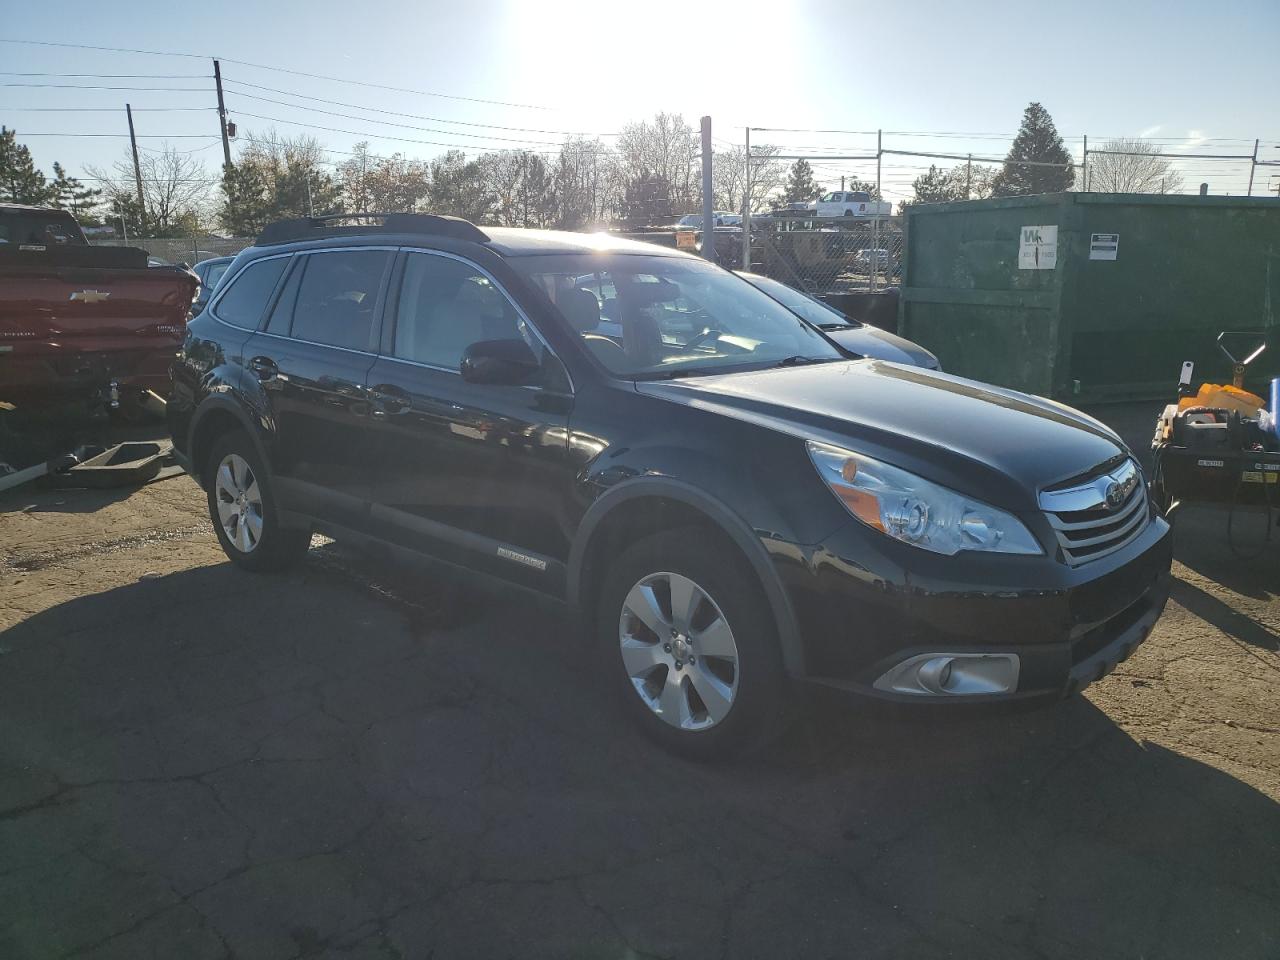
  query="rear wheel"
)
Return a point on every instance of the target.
[
  {"x": 691, "y": 645},
  {"x": 243, "y": 508}
]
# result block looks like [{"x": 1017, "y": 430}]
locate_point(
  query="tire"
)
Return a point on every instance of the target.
[
  {"x": 248, "y": 527},
  {"x": 737, "y": 701}
]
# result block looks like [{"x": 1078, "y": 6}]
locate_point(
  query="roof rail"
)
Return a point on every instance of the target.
[{"x": 311, "y": 228}]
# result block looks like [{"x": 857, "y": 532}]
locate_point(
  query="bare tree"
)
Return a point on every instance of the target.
[
  {"x": 175, "y": 189},
  {"x": 1131, "y": 166},
  {"x": 729, "y": 177},
  {"x": 503, "y": 172},
  {"x": 665, "y": 150}
]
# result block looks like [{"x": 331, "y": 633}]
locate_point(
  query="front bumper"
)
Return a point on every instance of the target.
[{"x": 865, "y": 604}]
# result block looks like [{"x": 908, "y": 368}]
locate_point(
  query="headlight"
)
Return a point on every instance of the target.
[{"x": 915, "y": 511}]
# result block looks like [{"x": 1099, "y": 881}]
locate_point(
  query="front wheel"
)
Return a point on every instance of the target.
[
  {"x": 691, "y": 645},
  {"x": 243, "y": 508}
]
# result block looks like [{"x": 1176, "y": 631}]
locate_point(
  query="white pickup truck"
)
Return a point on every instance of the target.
[{"x": 850, "y": 203}]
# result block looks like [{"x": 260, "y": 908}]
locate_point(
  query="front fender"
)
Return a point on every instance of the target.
[{"x": 736, "y": 528}]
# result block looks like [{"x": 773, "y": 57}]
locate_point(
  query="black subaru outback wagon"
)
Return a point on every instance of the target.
[{"x": 732, "y": 502}]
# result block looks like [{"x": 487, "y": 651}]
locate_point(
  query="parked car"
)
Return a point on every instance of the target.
[
  {"x": 210, "y": 272},
  {"x": 693, "y": 221},
  {"x": 872, "y": 257},
  {"x": 732, "y": 505},
  {"x": 79, "y": 322},
  {"x": 845, "y": 203},
  {"x": 856, "y": 337}
]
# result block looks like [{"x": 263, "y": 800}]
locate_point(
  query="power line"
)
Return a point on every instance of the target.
[
  {"x": 383, "y": 86},
  {"x": 263, "y": 66},
  {"x": 94, "y": 86},
  {"x": 141, "y": 136},
  {"x": 412, "y": 116},
  {"x": 110, "y": 76},
  {"x": 389, "y": 123},
  {"x": 105, "y": 109},
  {"x": 86, "y": 46},
  {"x": 382, "y": 136}
]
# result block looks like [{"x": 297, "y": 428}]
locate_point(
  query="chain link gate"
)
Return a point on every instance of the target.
[{"x": 829, "y": 255}]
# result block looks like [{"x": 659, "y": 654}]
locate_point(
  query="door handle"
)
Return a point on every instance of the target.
[
  {"x": 388, "y": 400},
  {"x": 264, "y": 368}
]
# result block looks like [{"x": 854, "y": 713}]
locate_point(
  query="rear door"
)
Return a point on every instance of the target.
[{"x": 312, "y": 358}]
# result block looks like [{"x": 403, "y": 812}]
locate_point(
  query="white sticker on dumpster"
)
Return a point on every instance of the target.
[
  {"x": 1104, "y": 246},
  {"x": 1038, "y": 248}
]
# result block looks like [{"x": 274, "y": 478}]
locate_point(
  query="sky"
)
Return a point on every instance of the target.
[{"x": 936, "y": 77}]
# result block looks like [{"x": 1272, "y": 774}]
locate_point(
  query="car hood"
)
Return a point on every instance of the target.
[
  {"x": 869, "y": 341},
  {"x": 998, "y": 445}
]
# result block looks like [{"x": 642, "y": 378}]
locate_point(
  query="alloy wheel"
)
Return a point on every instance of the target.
[
  {"x": 678, "y": 651},
  {"x": 239, "y": 501}
]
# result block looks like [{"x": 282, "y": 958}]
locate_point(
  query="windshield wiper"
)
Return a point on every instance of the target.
[
  {"x": 800, "y": 360},
  {"x": 674, "y": 373}
]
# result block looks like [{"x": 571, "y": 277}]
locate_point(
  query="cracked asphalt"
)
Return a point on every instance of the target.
[{"x": 349, "y": 761}]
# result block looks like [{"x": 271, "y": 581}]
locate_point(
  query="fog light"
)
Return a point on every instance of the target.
[{"x": 952, "y": 675}]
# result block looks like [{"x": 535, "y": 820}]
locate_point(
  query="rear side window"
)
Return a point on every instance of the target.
[
  {"x": 246, "y": 298},
  {"x": 337, "y": 298}
]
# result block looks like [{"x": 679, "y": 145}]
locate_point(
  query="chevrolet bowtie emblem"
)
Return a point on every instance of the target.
[{"x": 91, "y": 296}]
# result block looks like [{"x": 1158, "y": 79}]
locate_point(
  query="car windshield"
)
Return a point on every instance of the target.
[
  {"x": 815, "y": 311},
  {"x": 647, "y": 317},
  {"x": 215, "y": 273}
]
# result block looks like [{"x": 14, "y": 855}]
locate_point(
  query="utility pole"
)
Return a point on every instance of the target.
[
  {"x": 879, "y": 153},
  {"x": 137, "y": 171},
  {"x": 968, "y": 176},
  {"x": 1253, "y": 165},
  {"x": 1084, "y": 166},
  {"x": 708, "y": 221},
  {"x": 746, "y": 208},
  {"x": 222, "y": 115},
  {"x": 842, "y": 183}
]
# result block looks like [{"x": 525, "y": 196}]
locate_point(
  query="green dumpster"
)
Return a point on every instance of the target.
[{"x": 1089, "y": 297}]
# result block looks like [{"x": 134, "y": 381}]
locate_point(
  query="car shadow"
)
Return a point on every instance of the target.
[{"x": 266, "y": 764}]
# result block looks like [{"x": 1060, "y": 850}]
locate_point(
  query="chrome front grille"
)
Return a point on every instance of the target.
[{"x": 1099, "y": 516}]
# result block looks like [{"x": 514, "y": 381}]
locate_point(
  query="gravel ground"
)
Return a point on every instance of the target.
[{"x": 344, "y": 762}]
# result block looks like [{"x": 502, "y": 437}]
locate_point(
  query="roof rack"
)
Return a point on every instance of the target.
[{"x": 330, "y": 225}]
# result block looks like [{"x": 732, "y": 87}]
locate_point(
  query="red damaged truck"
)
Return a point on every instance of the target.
[{"x": 79, "y": 322}]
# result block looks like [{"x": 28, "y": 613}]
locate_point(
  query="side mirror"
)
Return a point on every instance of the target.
[{"x": 509, "y": 362}]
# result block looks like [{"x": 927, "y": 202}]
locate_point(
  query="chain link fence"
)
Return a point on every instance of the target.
[
  {"x": 188, "y": 250},
  {"x": 829, "y": 255}
]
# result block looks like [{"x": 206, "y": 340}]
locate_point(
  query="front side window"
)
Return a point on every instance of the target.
[
  {"x": 246, "y": 298},
  {"x": 337, "y": 298},
  {"x": 446, "y": 305},
  {"x": 831, "y": 198},
  {"x": 644, "y": 316}
]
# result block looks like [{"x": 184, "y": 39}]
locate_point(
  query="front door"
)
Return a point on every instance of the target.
[
  {"x": 312, "y": 359},
  {"x": 475, "y": 474}
]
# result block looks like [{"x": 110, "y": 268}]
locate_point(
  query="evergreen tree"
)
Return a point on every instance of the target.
[
  {"x": 864, "y": 186},
  {"x": 801, "y": 187},
  {"x": 961, "y": 182},
  {"x": 935, "y": 186},
  {"x": 20, "y": 181},
  {"x": 70, "y": 194},
  {"x": 275, "y": 179},
  {"x": 1037, "y": 141}
]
